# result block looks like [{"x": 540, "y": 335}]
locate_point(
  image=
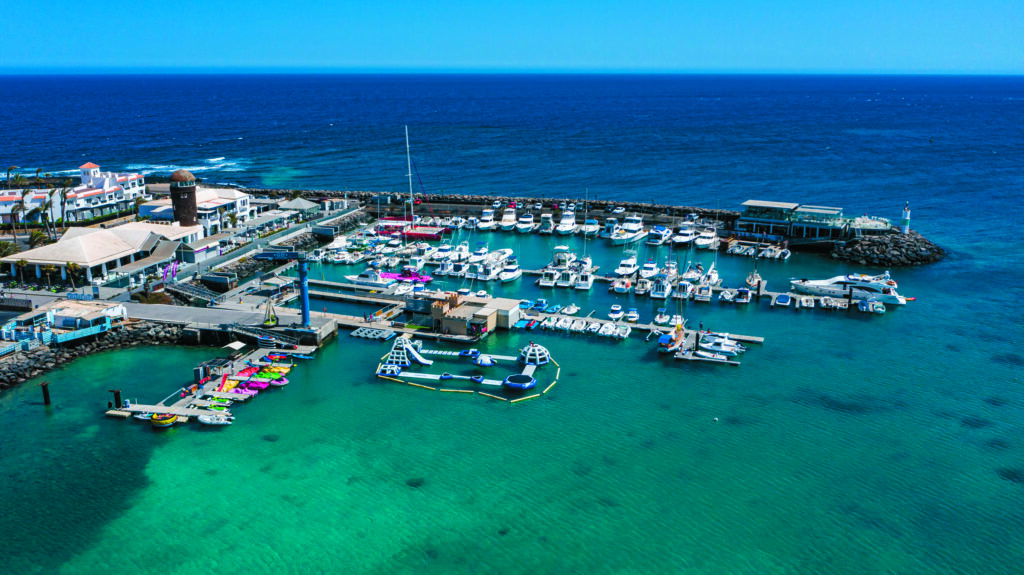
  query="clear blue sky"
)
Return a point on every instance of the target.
[{"x": 887, "y": 36}]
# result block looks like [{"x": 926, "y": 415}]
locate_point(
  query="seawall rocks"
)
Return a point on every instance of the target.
[{"x": 890, "y": 250}]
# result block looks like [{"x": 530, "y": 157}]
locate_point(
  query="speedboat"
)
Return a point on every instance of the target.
[
  {"x": 508, "y": 219},
  {"x": 611, "y": 225},
  {"x": 661, "y": 287},
  {"x": 683, "y": 290},
  {"x": 662, "y": 318},
  {"x": 548, "y": 323},
  {"x": 643, "y": 285},
  {"x": 553, "y": 308},
  {"x": 806, "y": 301},
  {"x": 525, "y": 304},
  {"x": 479, "y": 254},
  {"x": 623, "y": 331},
  {"x": 594, "y": 327},
  {"x": 578, "y": 326},
  {"x": 215, "y": 419},
  {"x": 632, "y": 316},
  {"x": 706, "y": 240},
  {"x": 622, "y": 285},
  {"x": 658, "y": 235},
  {"x": 684, "y": 235},
  {"x": 677, "y": 320},
  {"x": 567, "y": 225},
  {"x": 585, "y": 280},
  {"x": 627, "y": 266},
  {"x": 616, "y": 313},
  {"x": 571, "y": 309},
  {"x": 871, "y": 305},
  {"x": 540, "y": 305},
  {"x": 726, "y": 296},
  {"x": 486, "y": 222},
  {"x": 742, "y": 296},
  {"x": 482, "y": 293},
  {"x": 590, "y": 228},
  {"x": 703, "y": 293},
  {"x": 782, "y": 299},
  {"x": 510, "y": 272},
  {"x": 371, "y": 278},
  {"x": 607, "y": 330},
  {"x": 564, "y": 323},
  {"x": 649, "y": 269},
  {"x": 525, "y": 224},
  {"x": 548, "y": 277},
  {"x": 860, "y": 286},
  {"x": 562, "y": 257}
]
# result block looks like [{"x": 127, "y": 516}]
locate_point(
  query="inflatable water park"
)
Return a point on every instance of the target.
[{"x": 408, "y": 356}]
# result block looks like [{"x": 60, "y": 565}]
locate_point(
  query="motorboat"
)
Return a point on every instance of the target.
[
  {"x": 693, "y": 272},
  {"x": 525, "y": 224},
  {"x": 590, "y": 228},
  {"x": 408, "y": 274},
  {"x": 806, "y": 301},
  {"x": 727, "y": 348},
  {"x": 623, "y": 331},
  {"x": 658, "y": 235},
  {"x": 783, "y": 254},
  {"x": 594, "y": 327},
  {"x": 417, "y": 262},
  {"x": 677, "y": 320},
  {"x": 461, "y": 253},
  {"x": 643, "y": 286},
  {"x": 525, "y": 304},
  {"x": 578, "y": 326},
  {"x": 827, "y": 302},
  {"x": 726, "y": 296},
  {"x": 508, "y": 219},
  {"x": 547, "y": 224},
  {"x": 627, "y": 266},
  {"x": 703, "y": 293},
  {"x": 510, "y": 272},
  {"x": 563, "y": 256},
  {"x": 783, "y": 300},
  {"x": 662, "y": 317},
  {"x": 553, "y": 308},
  {"x": 571, "y": 309},
  {"x": 661, "y": 287},
  {"x": 622, "y": 285},
  {"x": 564, "y": 323},
  {"x": 623, "y": 236},
  {"x": 540, "y": 305},
  {"x": 585, "y": 280},
  {"x": 548, "y": 277},
  {"x": 464, "y": 291},
  {"x": 859, "y": 286},
  {"x": 442, "y": 254},
  {"x": 611, "y": 225},
  {"x": 479, "y": 254},
  {"x": 632, "y": 316},
  {"x": 548, "y": 323},
  {"x": 566, "y": 278},
  {"x": 683, "y": 290},
  {"x": 567, "y": 225},
  {"x": 458, "y": 270},
  {"x": 486, "y": 222},
  {"x": 649, "y": 269},
  {"x": 616, "y": 313},
  {"x": 742, "y": 296},
  {"x": 487, "y": 271},
  {"x": 710, "y": 277},
  {"x": 702, "y": 353},
  {"x": 671, "y": 269},
  {"x": 371, "y": 278},
  {"x": 671, "y": 342},
  {"x": 445, "y": 269},
  {"x": 684, "y": 235},
  {"x": 607, "y": 330},
  {"x": 871, "y": 305},
  {"x": 706, "y": 240},
  {"x": 215, "y": 419}
]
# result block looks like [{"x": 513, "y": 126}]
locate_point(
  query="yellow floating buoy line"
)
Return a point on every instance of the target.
[
  {"x": 549, "y": 387},
  {"x": 493, "y": 396},
  {"x": 525, "y": 398},
  {"x": 457, "y": 390},
  {"x": 417, "y": 385}
]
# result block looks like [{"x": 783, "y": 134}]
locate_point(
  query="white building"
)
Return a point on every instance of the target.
[
  {"x": 214, "y": 209},
  {"x": 99, "y": 194}
]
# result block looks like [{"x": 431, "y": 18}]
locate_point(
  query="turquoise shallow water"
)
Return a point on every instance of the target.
[{"x": 844, "y": 444}]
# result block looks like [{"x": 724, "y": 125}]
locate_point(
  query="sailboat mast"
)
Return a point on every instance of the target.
[{"x": 408, "y": 161}]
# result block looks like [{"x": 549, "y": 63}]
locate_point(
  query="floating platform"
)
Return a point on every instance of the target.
[{"x": 372, "y": 333}]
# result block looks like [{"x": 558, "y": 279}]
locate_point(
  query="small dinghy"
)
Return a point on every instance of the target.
[{"x": 215, "y": 419}]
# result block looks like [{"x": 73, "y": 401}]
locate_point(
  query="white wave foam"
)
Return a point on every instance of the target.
[{"x": 220, "y": 159}]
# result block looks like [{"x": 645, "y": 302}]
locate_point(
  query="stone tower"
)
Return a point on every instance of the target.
[{"x": 183, "y": 198}]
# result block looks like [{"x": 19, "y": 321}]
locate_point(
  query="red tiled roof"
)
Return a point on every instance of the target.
[{"x": 88, "y": 166}]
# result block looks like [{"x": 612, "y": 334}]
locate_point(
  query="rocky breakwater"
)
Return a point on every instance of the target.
[
  {"x": 21, "y": 366},
  {"x": 889, "y": 250}
]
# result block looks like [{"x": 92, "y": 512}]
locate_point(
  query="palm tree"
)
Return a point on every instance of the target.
[
  {"x": 8, "y": 249},
  {"x": 49, "y": 269},
  {"x": 24, "y": 196},
  {"x": 38, "y": 171},
  {"x": 37, "y": 238},
  {"x": 72, "y": 269},
  {"x": 64, "y": 190},
  {"x": 9, "y": 170},
  {"x": 19, "y": 181},
  {"x": 15, "y": 210},
  {"x": 21, "y": 265},
  {"x": 47, "y": 207}
]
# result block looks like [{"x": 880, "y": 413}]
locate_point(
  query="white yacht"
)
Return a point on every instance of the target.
[
  {"x": 649, "y": 269},
  {"x": 683, "y": 290},
  {"x": 486, "y": 222},
  {"x": 643, "y": 285},
  {"x": 510, "y": 272},
  {"x": 548, "y": 277},
  {"x": 585, "y": 281},
  {"x": 627, "y": 266},
  {"x": 685, "y": 234},
  {"x": 658, "y": 235},
  {"x": 706, "y": 240},
  {"x": 486, "y": 271},
  {"x": 459, "y": 269},
  {"x": 611, "y": 225},
  {"x": 479, "y": 254},
  {"x": 615, "y": 313},
  {"x": 631, "y": 231},
  {"x": 661, "y": 287},
  {"x": 566, "y": 278},
  {"x": 371, "y": 278},
  {"x": 547, "y": 224},
  {"x": 671, "y": 269},
  {"x": 590, "y": 228},
  {"x": 622, "y": 285},
  {"x": 881, "y": 288},
  {"x": 525, "y": 224},
  {"x": 508, "y": 219},
  {"x": 499, "y": 256},
  {"x": 461, "y": 253},
  {"x": 567, "y": 225}
]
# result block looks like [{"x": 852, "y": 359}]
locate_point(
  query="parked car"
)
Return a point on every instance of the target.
[
  {"x": 496, "y": 204},
  {"x": 608, "y": 209},
  {"x": 538, "y": 206},
  {"x": 619, "y": 210},
  {"x": 512, "y": 204}
]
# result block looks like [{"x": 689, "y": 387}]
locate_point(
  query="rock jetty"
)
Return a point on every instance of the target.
[
  {"x": 889, "y": 250},
  {"x": 21, "y": 366}
]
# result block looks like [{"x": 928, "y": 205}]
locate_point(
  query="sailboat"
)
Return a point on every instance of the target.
[{"x": 413, "y": 231}]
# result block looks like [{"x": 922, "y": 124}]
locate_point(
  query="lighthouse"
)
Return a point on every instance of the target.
[
  {"x": 905, "y": 222},
  {"x": 183, "y": 198}
]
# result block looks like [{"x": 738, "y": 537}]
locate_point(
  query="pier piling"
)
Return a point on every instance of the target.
[
  {"x": 46, "y": 392},
  {"x": 117, "y": 397}
]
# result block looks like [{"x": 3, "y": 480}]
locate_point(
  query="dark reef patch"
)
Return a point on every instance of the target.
[
  {"x": 975, "y": 422},
  {"x": 416, "y": 482},
  {"x": 1015, "y": 475},
  {"x": 272, "y": 438}
]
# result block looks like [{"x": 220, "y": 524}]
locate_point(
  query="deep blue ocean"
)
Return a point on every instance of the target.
[{"x": 845, "y": 444}]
